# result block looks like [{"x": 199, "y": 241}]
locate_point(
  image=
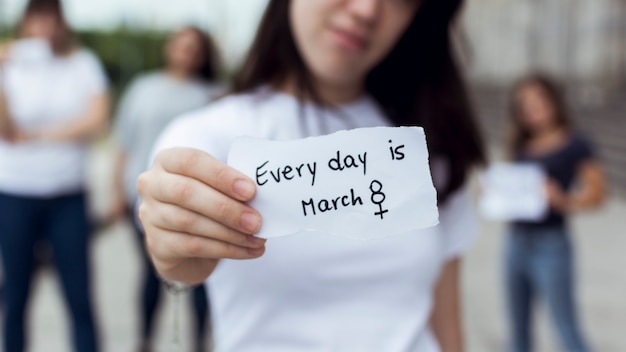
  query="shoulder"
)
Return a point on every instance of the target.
[
  {"x": 210, "y": 128},
  {"x": 213, "y": 115},
  {"x": 89, "y": 66},
  {"x": 579, "y": 138},
  {"x": 86, "y": 56},
  {"x": 458, "y": 223},
  {"x": 146, "y": 79},
  {"x": 209, "y": 90},
  {"x": 231, "y": 112},
  {"x": 214, "y": 90},
  {"x": 139, "y": 84},
  {"x": 581, "y": 144}
]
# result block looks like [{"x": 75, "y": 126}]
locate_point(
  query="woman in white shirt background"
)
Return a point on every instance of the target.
[
  {"x": 317, "y": 67},
  {"x": 53, "y": 100},
  {"x": 187, "y": 82}
]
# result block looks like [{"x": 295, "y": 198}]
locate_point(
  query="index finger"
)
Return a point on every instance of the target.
[{"x": 205, "y": 168}]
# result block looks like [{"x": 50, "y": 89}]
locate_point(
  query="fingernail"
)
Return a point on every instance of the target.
[
  {"x": 251, "y": 222},
  {"x": 244, "y": 188},
  {"x": 256, "y": 251},
  {"x": 256, "y": 240}
]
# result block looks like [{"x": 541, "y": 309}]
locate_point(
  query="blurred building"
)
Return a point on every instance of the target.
[{"x": 580, "y": 40}]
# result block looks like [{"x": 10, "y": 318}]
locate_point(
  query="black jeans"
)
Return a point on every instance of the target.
[
  {"x": 61, "y": 221},
  {"x": 151, "y": 288}
]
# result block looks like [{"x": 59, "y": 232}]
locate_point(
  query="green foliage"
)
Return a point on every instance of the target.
[{"x": 125, "y": 53}]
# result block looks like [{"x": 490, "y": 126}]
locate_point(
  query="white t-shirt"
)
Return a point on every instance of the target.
[
  {"x": 47, "y": 93},
  {"x": 151, "y": 102},
  {"x": 311, "y": 291}
]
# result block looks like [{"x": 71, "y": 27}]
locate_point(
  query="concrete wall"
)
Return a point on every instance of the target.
[{"x": 582, "y": 40}]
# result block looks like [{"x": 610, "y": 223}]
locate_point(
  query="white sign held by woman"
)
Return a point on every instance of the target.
[
  {"x": 514, "y": 191},
  {"x": 363, "y": 183}
]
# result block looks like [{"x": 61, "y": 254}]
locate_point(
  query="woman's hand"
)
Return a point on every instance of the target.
[
  {"x": 557, "y": 197},
  {"x": 589, "y": 193},
  {"x": 193, "y": 213}
]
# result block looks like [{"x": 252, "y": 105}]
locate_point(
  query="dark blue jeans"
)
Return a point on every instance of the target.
[
  {"x": 539, "y": 264},
  {"x": 62, "y": 222},
  {"x": 151, "y": 292}
]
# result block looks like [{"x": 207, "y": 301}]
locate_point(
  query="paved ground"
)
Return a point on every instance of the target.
[
  {"x": 600, "y": 244},
  {"x": 600, "y": 240}
]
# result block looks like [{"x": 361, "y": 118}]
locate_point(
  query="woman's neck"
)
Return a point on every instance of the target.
[
  {"x": 178, "y": 74},
  {"x": 329, "y": 93},
  {"x": 547, "y": 139}
]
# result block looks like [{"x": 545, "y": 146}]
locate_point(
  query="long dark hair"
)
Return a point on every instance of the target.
[
  {"x": 519, "y": 133},
  {"x": 61, "y": 45},
  {"x": 211, "y": 63},
  {"x": 418, "y": 84}
]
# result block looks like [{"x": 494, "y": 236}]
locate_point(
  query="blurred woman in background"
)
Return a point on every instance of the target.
[
  {"x": 152, "y": 101},
  {"x": 53, "y": 101},
  {"x": 539, "y": 255}
]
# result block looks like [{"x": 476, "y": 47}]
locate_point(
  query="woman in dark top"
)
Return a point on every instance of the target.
[{"x": 539, "y": 254}]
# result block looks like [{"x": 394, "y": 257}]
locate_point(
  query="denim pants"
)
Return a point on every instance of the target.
[
  {"x": 539, "y": 265},
  {"x": 62, "y": 222},
  {"x": 151, "y": 292}
]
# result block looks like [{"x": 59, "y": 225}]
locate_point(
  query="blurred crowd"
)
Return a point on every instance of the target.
[{"x": 55, "y": 100}]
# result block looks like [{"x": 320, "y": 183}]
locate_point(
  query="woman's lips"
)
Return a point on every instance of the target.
[{"x": 350, "y": 40}]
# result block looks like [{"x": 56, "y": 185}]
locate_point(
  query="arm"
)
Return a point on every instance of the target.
[
  {"x": 589, "y": 195},
  {"x": 445, "y": 320},
  {"x": 89, "y": 126},
  {"x": 6, "y": 125},
  {"x": 592, "y": 190},
  {"x": 118, "y": 201}
]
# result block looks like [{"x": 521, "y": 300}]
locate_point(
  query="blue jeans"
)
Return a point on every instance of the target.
[
  {"x": 151, "y": 292},
  {"x": 539, "y": 263},
  {"x": 61, "y": 221}
]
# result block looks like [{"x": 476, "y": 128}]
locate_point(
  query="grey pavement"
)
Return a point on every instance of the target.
[{"x": 600, "y": 240}]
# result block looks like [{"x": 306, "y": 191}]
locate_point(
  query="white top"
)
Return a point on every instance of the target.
[
  {"x": 151, "y": 102},
  {"x": 40, "y": 93},
  {"x": 311, "y": 291}
]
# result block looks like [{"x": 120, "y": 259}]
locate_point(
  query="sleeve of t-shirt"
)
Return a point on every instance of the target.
[
  {"x": 211, "y": 129},
  {"x": 459, "y": 224},
  {"x": 94, "y": 76},
  {"x": 123, "y": 130},
  {"x": 583, "y": 150}
]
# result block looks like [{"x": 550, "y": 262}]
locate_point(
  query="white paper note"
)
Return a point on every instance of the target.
[
  {"x": 513, "y": 191},
  {"x": 364, "y": 183}
]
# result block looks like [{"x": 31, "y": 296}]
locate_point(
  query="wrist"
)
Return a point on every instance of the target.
[
  {"x": 46, "y": 135},
  {"x": 567, "y": 204},
  {"x": 43, "y": 135},
  {"x": 573, "y": 204},
  {"x": 176, "y": 287},
  {"x": 192, "y": 271}
]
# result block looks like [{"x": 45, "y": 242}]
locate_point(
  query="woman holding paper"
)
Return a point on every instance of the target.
[
  {"x": 150, "y": 103},
  {"x": 53, "y": 100},
  {"x": 539, "y": 253},
  {"x": 317, "y": 67}
]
